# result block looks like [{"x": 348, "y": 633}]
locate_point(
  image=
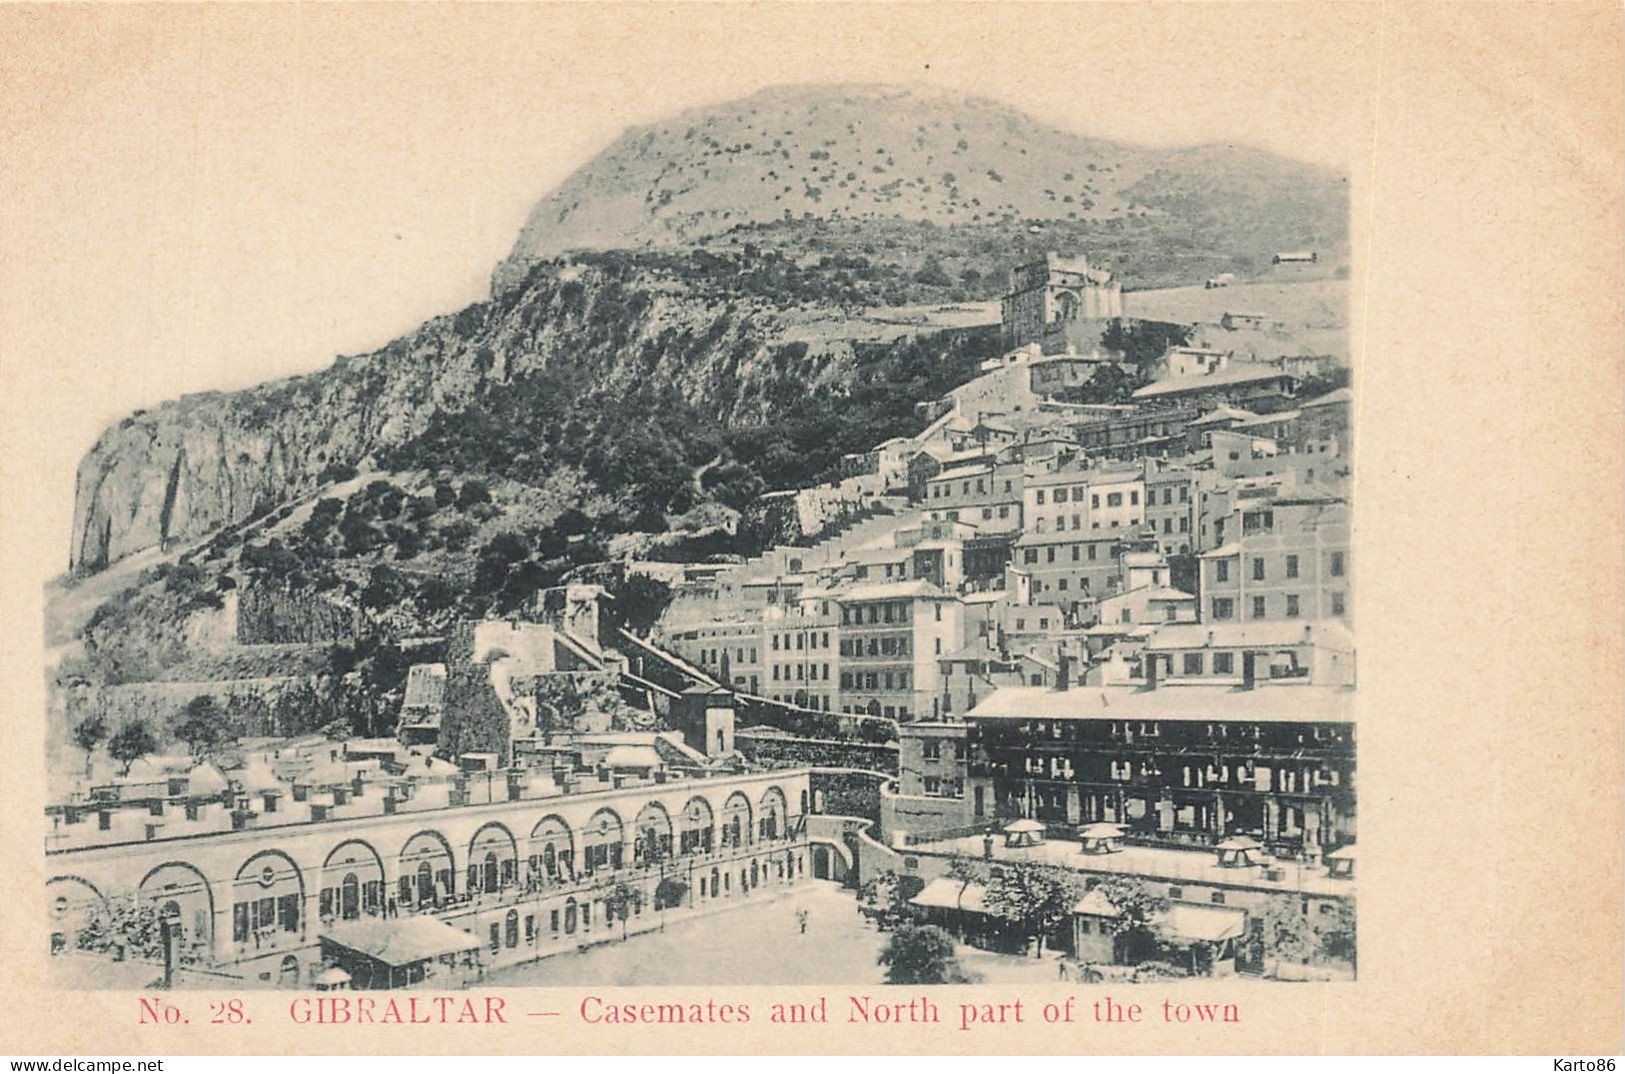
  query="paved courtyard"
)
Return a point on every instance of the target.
[{"x": 755, "y": 944}]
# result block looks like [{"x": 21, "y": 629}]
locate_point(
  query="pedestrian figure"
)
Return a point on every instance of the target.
[
  {"x": 1061, "y": 963},
  {"x": 801, "y": 919}
]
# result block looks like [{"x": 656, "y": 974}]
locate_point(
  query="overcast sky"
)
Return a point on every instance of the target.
[{"x": 208, "y": 198}]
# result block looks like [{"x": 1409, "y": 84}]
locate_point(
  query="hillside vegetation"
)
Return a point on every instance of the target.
[{"x": 858, "y": 153}]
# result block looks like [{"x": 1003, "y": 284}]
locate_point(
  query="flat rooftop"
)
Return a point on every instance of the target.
[{"x": 1157, "y": 863}]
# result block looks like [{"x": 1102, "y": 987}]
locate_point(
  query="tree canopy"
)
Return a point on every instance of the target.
[{"x": 922, "y": 954}]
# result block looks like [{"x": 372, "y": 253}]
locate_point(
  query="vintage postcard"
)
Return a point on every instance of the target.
[{"x": 587, "y": 528}]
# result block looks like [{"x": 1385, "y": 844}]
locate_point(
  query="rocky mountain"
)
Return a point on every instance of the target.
[
  {"x": 863, "y": 151},
  {"x": 730, "y": 222}
]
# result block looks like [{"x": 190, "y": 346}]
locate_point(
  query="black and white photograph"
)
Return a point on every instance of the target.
[{"x": 887, "y": 530}]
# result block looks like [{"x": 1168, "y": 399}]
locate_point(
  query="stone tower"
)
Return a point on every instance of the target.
[{"x": 1059, "y": 302}]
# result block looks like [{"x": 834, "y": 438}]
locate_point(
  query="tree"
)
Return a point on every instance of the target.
[
  {"x": 1286, "y": 932},
  {"x": 922, "y": 954},
  {"x": 131, "y": 742},
  {"x": 885, "y": 899},
  {"x": 1137, "y": 931},
  {"x": 1336, "y": 932},
  {"x": 1034, "y": 897},
  {"x": 640, "y": 601},
  {"x": 130, "y": 923},
  {"x": 199, "y": 725},
  {"x": 619, "y": 902},
  {"x": 88, "y": 733}
]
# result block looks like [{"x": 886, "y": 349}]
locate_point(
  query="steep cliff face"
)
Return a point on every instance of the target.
[{"x": 181, "y": 471}]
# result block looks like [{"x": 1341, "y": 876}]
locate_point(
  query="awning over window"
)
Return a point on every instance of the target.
[
  {"x": 403, "y": 941},
  {"x": 1204, "y": 923},
  {"x": 947, "y": 893}
]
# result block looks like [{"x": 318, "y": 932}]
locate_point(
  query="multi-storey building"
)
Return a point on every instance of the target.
[
  {"x": 1071, "y": 569},
  {"x": 731, "y": 652},
  {"x": 427, "y": 873},
  {"x": 889, "y": 642},
  {"x": 987, "y": 495},
  {"x": 1156, "y": 432},
  {"x": 802, "y": 653},
  {"x": 1283, "y": 558},
  {"x": 1255, "y": 386},
  {"x": 1323, "y": 425},
  {"x": 1186, "y": 761},
  {"x": 1170, "y": 509}
]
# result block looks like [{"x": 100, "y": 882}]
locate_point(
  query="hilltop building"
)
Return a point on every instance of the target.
[{"x": 1059, "y": 303}]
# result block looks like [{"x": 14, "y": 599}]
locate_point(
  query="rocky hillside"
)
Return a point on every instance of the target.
[
  {"x": 744, "y": 218},
  {"x": 623, "y": 366},
  {"x": 866, "y": 152}
]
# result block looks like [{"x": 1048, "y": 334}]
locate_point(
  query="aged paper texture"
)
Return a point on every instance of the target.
[{"x": 199, "y": 199}]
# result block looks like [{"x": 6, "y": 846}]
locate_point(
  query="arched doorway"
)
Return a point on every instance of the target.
[
  {"x": 493, "y": 859},
  {"x": 267, "y": 900},
  {"x": 773, "y": 821},
  {"x": 603, "y": 839},
  {"x": 70, "y": 903},
  {"x": 552, "y": 852},
  {"x": 652, "y": 830},
  {"x": 352, "y": 882},
  {"x": 428, "y": 870},
  {"x": 697, "y": 823},
  {"x": 189, "y": 889},
  {"x": 736, "y": 817}
]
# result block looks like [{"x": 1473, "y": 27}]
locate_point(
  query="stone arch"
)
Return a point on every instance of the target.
[
  {"x": 736, "y": 820},
  {"x": 493, "y": 858},
  {"x": 774, "y": 820},
  {"x": 552, "y": 851},
  {"x": 69, "y": 902},
  {"x": 653, "y": 834},
  {"x": 182, "y": 882},
  {"x": 267, "y": 898},
  {"x": 352, "y": 881},
  {"x": 602, "y": 840},
  {"x": 428, "y": 869},
  {"x": 697, "y": 823}
]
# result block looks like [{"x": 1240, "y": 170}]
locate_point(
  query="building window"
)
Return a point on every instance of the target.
[
  {"x": 1291, "y": 605},
  {"x": 1337, "y": 604},
  {"x": 1224, "y": 608},
  {"x": 1040, "y": 495},
  {"x": 1221, "y": 570},
  {"x": 1217, "y": 898},
  {"x": 1258, "y": 607},
  {"x": 931, "y": 750},
  {"x": 1115, "y": 499},
  {"x": 1292, "y": 566},
  {"x": 1224, "y": 663},
  {"x": 1337, "y": 564},
  {"x": 1258, "y": 568},
  {"x": 1193, "y": 663},
  {"x": 1175, "y": 892}
]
